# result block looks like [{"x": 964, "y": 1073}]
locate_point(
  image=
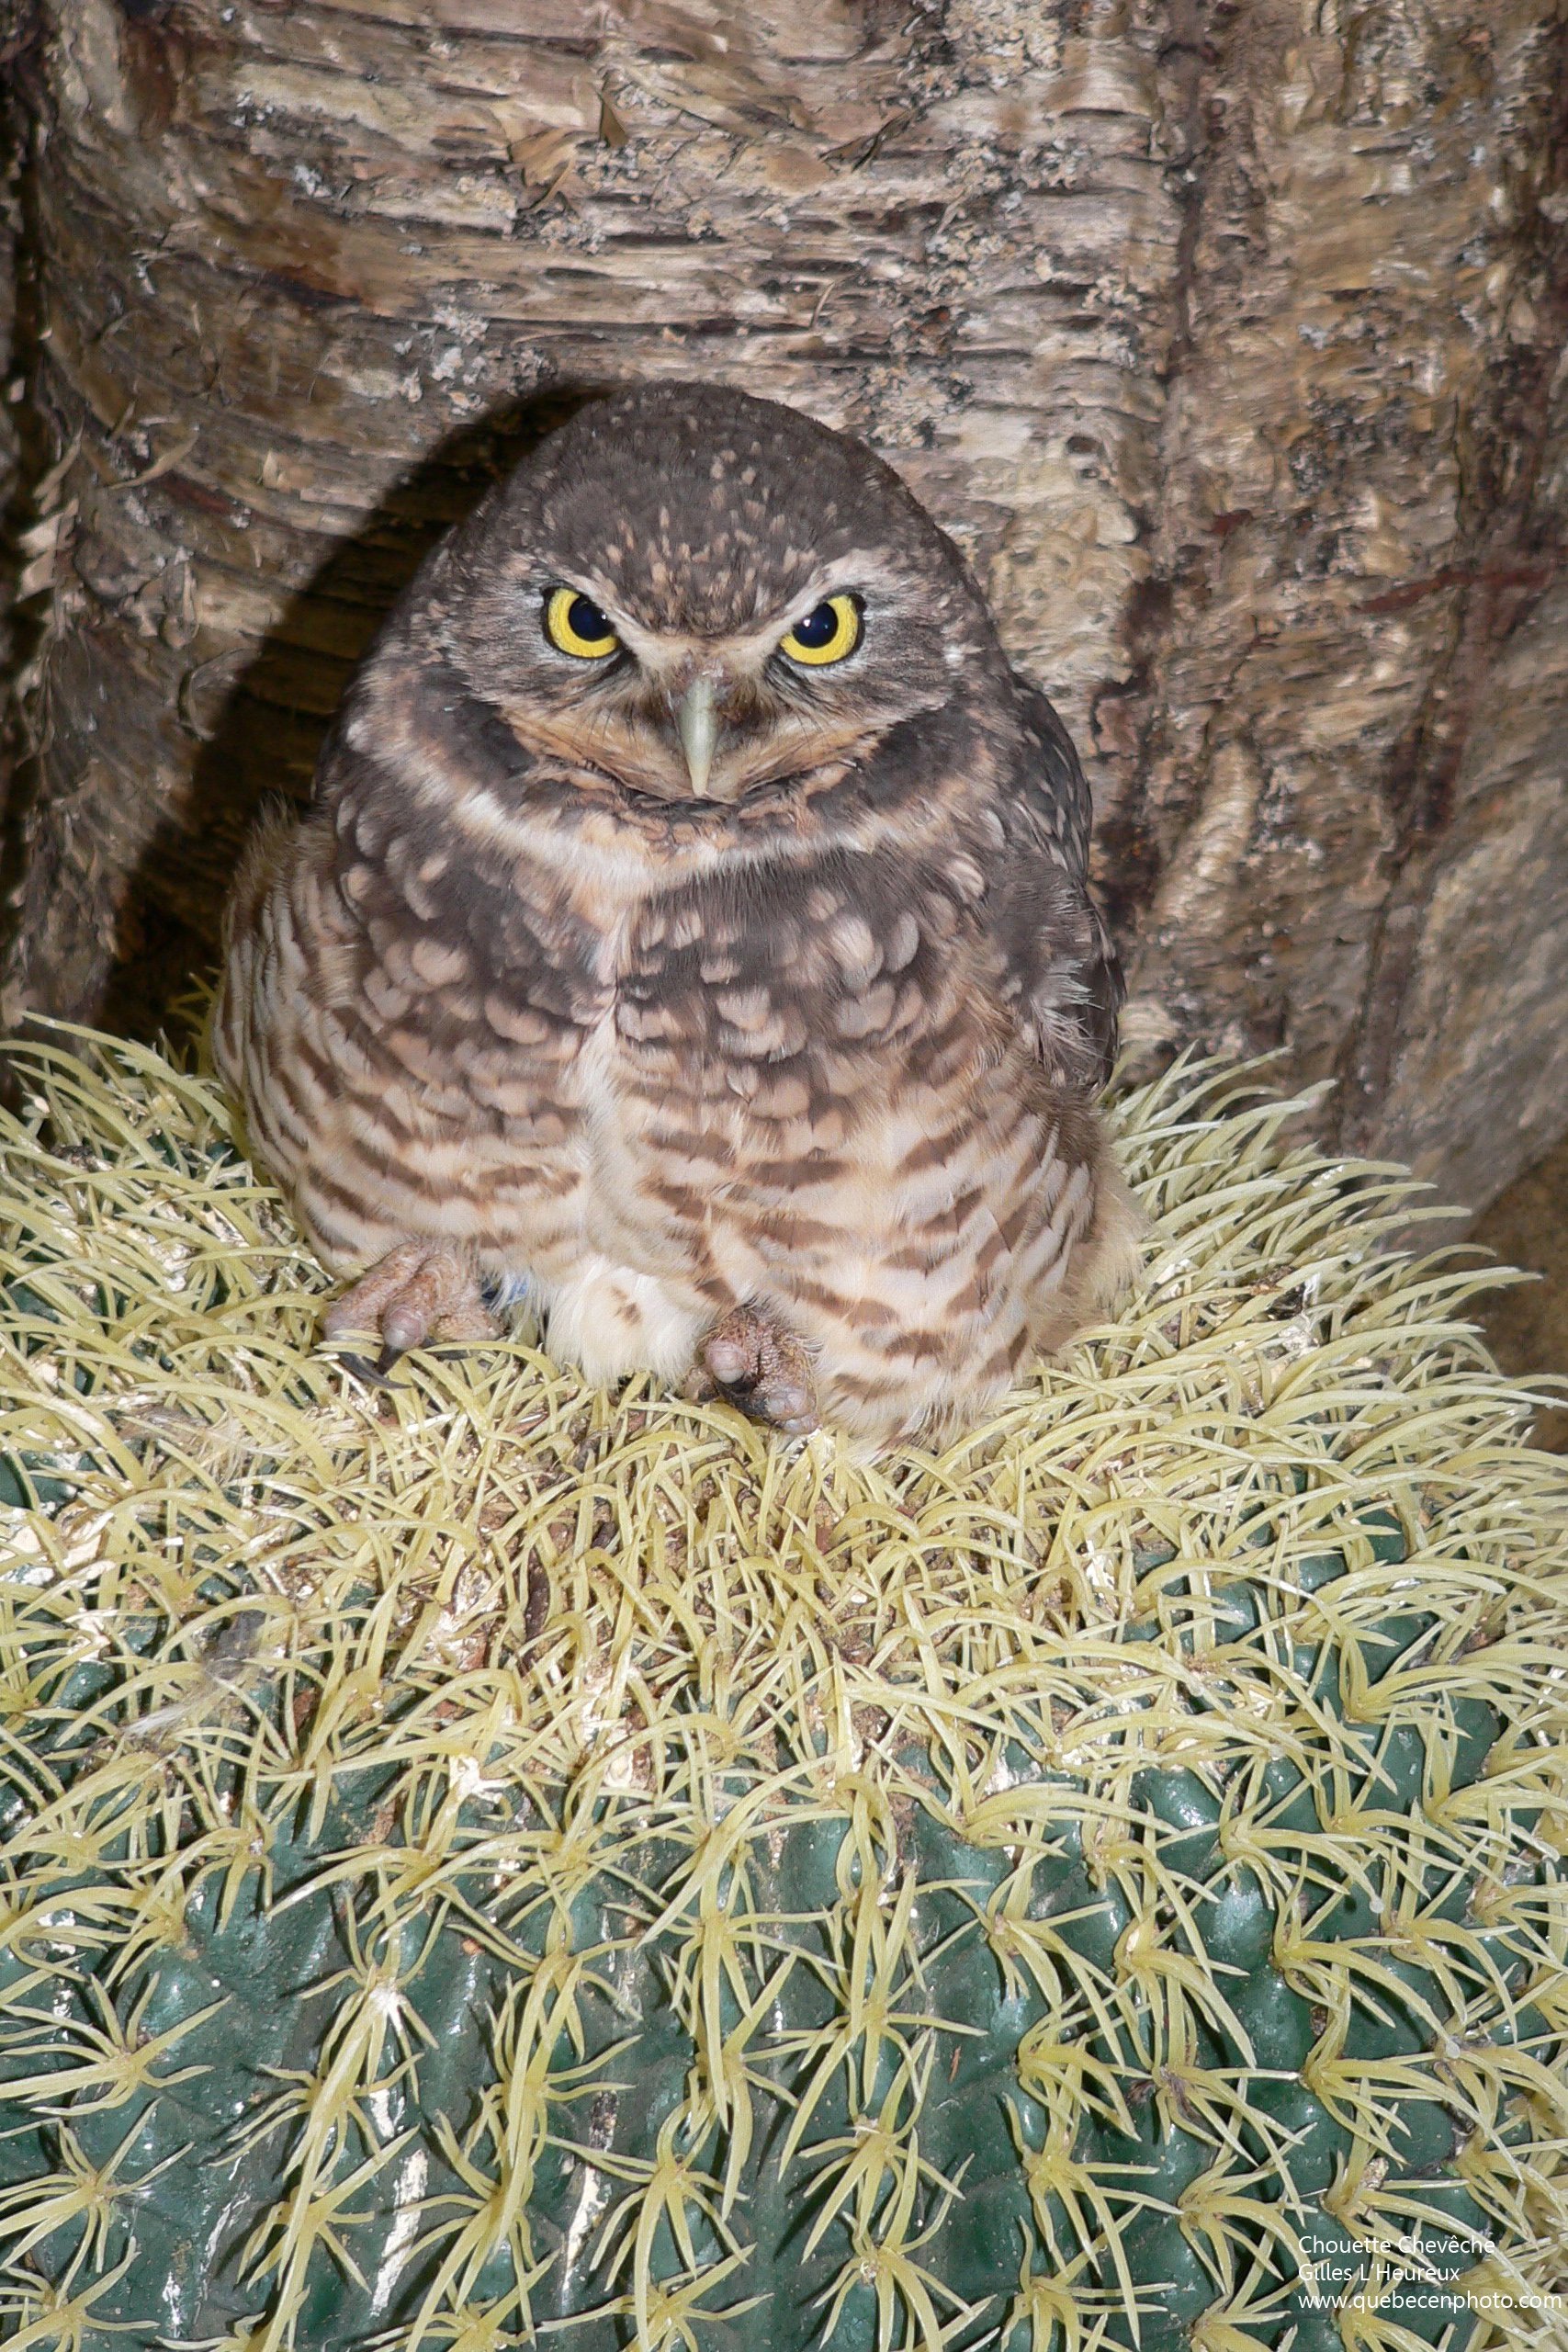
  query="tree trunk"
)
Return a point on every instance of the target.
[{"x": 1225, "y": 338}]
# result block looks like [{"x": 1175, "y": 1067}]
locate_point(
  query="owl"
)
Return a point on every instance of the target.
[{"x": 689, "y": 939}]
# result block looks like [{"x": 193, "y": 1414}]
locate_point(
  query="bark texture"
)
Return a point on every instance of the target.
[{"x": 1228, "y": 339}]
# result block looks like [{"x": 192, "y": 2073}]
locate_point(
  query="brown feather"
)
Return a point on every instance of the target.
[{"x": 823, "y": 1045}]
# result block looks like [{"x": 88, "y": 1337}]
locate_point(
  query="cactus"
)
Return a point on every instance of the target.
[{"x": 489, "y": 1863}]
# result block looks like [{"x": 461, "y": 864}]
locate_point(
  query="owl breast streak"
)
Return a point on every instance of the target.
[{"x": 640, "y": 1104}]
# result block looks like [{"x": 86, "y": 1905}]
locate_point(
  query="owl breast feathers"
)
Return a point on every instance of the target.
[{"x": 690, "y": 936}]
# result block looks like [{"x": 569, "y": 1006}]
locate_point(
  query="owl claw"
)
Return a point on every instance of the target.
[
  {"x": 752, "y": 1361},
  {"x": 373, "y": 1375},
  {"x": 422, "y": 1291}
]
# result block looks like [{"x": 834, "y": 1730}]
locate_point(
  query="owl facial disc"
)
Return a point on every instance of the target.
[{"x": 683, "y": 598}]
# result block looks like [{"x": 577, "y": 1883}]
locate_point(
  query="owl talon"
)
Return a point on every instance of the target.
[
  {"x": 424, "y": 1291},
  {"x": 761, "y": 1366}
]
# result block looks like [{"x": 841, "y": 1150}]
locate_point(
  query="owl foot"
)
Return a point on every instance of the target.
[
  {"x": 752, "y": 1361},
  {"x": 424, "y": 1291}
]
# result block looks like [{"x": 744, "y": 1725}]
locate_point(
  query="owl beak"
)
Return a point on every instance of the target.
[{"x": 696, "y": 722}]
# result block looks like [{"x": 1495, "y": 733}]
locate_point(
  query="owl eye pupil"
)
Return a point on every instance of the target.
[
  {"x": 818, "y": 627},
  {"x": 574, "y": 624},
  {"x": 583, "y": 615}
]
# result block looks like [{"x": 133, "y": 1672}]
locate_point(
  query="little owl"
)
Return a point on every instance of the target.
[{"x": 689, "y": 938}]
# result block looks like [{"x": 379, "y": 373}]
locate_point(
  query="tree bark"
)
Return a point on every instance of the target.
[{"x": 1226, "y": 339}]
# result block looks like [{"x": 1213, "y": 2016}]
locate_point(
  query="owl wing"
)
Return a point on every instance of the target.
[{"x": 1061, "y": 965}]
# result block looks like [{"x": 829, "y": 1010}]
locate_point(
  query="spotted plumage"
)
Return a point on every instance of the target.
[{"x": 690, "y": 935}]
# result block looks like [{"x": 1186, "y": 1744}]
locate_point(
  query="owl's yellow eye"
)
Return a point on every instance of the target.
[
  {"x": 830, "y": 632},
  {"x": 574, "y": 624}
]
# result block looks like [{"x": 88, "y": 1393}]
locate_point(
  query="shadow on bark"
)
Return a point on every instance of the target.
[{"x": 259, "y": 740}]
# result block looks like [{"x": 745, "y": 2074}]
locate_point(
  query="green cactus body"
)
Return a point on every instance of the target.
[{"x": 487, "y": 1862}]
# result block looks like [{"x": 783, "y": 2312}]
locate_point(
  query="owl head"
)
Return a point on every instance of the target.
[{"x": 688, "y": 595}]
